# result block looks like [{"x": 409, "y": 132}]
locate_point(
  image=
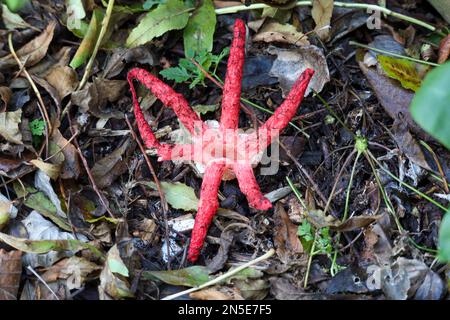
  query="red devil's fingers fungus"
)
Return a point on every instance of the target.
[{"x": 220, "y": 148}]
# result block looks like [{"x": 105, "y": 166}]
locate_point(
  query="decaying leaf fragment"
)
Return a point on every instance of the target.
[
  {"x": 10, "y": 272},
  {"x": 322, "y": 11}
]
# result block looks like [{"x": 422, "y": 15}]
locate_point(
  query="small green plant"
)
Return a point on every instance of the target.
[
  {"x": 316, "y": 241},
  {"x": 187, "y": 71},
  {"x": 37, "y": 127}
]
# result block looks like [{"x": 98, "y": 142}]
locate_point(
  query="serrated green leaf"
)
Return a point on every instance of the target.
[
  {"x": 90, "y": 39},
  {"x": 178, "y": 195},
  {"x": 430, "y": 106},
  {"x": 199, "y": 32},
  {"x": 401, "y": 70},
  {"x": 37, "y": 127},
  {"x": 172, "y": 15},
  {"x": 188, "y": 277},
  {"x": 177, "y": 74},
  {"x": 444, "y": 238}
]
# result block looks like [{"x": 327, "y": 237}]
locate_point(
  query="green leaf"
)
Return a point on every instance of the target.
[
  {"x": 177, "y": 74},
  {"x": 444, "y": 238},
  {"x": 199, "y": 32},
  {"x": 172, "y": 15},
  {"x": 430, "y": 106},
  {"x": 188, "y": 277},
  {"x": 148, "y": 4},
  {"x": 178, "y": 195},
  {"x": 44, "y": 246},
  {"x": 38, "y": 201},
  {"x": 402, "y": 70},
  {"x": 90, "y": 39},
  {"x": 12, "y": 20},
  {"x": 16, "y": 5},
  {"x": 37, "y": 127}
]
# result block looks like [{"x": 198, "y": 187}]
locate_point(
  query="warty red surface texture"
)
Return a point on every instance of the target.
[{"x": 217, "y": 164}]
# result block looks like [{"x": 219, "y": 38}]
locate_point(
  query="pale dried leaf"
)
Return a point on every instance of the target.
[
  {"x": 283, "y": 33},
  {"x": 322, "y": 11}
]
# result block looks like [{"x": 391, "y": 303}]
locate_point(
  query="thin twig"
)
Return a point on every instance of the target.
[
  {"x": 219, "y": 279},
  {"x": 363, "y": 6},
  {"x": 43, "y": 282}
]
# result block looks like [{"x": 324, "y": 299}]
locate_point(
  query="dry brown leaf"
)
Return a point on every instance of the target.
[
  {"x": 5, "y": 96},
  {"x": 68, "y": 156},
  {"x": 107, "y": 169},
  {"x": 95, "y": 96},
  {"x": 10, "y": 271},
  {"x": 33, "y": 52},
  {"x": 322, "y": 11},
  {"x": 9, "y": 126},
  {"x": 408, "y": 144},
  {"x": 286, "y": 240},
  {"x": 217, "y": 293},
  {"x": 356, "y": 222},
  {"x": 283, "y": 33},
  {"x": 63, "y": 79},
  {"x": 444, "y": 49}
]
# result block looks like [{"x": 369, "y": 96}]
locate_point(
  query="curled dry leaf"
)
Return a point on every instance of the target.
[
  {"x": 286, "y": 240},
  {"x": 290, "y": 63},
  {"x": 9, "y": 126},
  {"x": 5, "y": 96},
  {"x": 107, "y": 169},
  {"x": 64, "y": 153},
  {"x": 142, "y": 55},
  {"x": 408, "y": 144},
  {"x": 75, "y": 270},
  {"x": 283, "y": 33},
  {"x": 356, "y": 222},
  {"x": 32, "y": 52},
  {"x": 321, "y": 12},
  {"x": 63, "y": 79},
  {"x": 217, "y": 293},
  {"x": 95, "y": 96},
  {"x": 10, "y": 272}
]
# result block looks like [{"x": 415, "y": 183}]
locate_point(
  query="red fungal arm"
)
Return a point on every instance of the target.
[
  {"x": 167, "y": 95},
  {"x": 249, "y": 186},
  {"x": 207, "y": 208},
  {"x": 286, "y": 111},
  {"x": 233, "y": 80}
]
